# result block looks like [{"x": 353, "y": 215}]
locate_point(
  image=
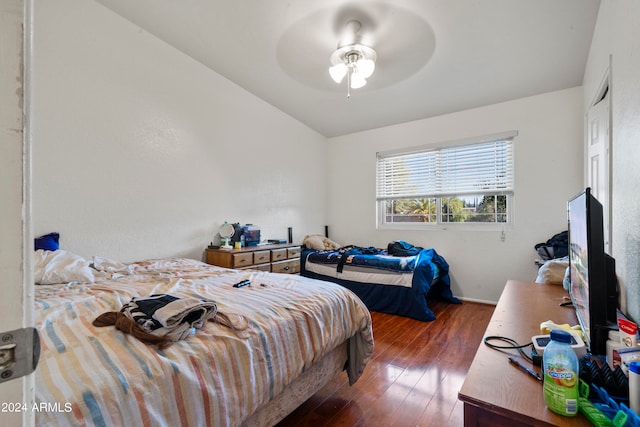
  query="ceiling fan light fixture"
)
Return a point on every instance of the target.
[
  {"x": 357, "y": 81},
  {"x": 366, "y": 67},
  {"x": 338, "y": 72},
  {"x": 352, "y": 59}
]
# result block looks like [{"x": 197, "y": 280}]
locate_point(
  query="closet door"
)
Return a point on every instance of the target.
[{"x": 599, "y": 159}]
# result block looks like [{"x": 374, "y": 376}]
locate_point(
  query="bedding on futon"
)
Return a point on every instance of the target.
[
  {"x": 399, "y": 285},
  {"x": 262, "y": 338}
]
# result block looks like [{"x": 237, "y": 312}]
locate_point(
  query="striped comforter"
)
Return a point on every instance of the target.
[{"x": 281, "y": 325}]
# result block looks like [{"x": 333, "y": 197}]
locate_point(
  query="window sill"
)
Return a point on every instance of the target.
[{"x": 447, "y": 227}]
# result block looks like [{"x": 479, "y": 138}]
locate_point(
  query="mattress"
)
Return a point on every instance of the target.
[
  {"x": 263, "y": 338},
  {"x": 363, "y": 274}
]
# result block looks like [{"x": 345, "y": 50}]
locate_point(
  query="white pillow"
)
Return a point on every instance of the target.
[
  {"x": 552, "y": 271},
  {"x": 51, "y": 267},
  {"x": 314, "y": 241},
  {"x": 320, "y": 243}
]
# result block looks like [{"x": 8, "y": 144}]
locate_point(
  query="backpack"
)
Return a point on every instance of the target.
[{"x": 556, "y": 247}]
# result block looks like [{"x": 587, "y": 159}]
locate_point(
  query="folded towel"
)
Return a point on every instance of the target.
[
  {"x": 159, "y": 319},
  {"x": 166, "y": 315}
]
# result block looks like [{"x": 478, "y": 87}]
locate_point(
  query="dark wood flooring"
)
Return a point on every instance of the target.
[{"x": 413, "y": 377}]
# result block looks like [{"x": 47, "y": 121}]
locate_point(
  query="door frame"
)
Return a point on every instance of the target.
[{"x": 16, "y": 270}]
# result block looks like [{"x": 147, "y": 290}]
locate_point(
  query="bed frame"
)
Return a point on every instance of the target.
[{"x": 301, "y": 389}]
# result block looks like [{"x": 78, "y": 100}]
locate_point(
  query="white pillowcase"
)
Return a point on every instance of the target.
[
  {"x": 320, "y": 243},
  {"x": 51, "y": 267},
  {"x": 552, "y": 271}
]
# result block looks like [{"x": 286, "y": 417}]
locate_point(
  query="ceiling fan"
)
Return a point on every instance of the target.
[{"x": 394, "y": 41}]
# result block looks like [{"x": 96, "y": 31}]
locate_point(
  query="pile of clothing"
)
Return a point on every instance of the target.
[{"x": 159, "y": 319}]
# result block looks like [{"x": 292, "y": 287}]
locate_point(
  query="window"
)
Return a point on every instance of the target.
[{"x": 468, "y": 182}]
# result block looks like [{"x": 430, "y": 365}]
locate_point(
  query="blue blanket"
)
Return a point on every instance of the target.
[
  {"x": 368, "y": 257},
  {"x": 430, "y": 279}
]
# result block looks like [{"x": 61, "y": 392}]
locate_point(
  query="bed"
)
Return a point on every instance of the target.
[
  {"x": 400, "y": 285},
  {"x": 282, "y": 338}
]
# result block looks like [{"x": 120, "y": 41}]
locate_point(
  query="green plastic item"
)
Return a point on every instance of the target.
[{"x": 593, "y": 414}]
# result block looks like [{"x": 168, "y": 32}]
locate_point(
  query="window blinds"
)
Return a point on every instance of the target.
[{"x": 484, "y": 168}]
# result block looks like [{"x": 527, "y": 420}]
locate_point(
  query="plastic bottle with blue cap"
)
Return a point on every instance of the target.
[
  {"x": 634, "y": 387},
  {"x": 561, "y": 370}
]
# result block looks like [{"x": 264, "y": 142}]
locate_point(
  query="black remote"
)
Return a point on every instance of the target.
[{"x": 243, "y": 283}]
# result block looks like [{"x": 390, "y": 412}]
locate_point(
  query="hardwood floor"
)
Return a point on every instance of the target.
[{"x": 413, "y": 377}]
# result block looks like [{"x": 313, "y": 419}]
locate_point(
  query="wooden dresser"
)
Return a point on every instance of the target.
[
  {"x": 274, "y": 258},
  {"x": 495, "y": 393}
]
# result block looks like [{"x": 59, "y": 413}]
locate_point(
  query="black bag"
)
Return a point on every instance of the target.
[
  {"x": 401, "y": 248},
  {"x": 556, "y": 247}
]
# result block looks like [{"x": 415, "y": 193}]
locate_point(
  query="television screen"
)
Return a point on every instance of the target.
[
  {"x": 579, "y": 262},
  {"x": 593, "y": 285}
]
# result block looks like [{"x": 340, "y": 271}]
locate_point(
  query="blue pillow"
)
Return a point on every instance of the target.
[{"x": 48, "y": 242}]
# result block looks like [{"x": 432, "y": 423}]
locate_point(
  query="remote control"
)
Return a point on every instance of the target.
[{"x": 242, "y": 283}]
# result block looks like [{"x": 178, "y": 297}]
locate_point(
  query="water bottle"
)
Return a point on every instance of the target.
[{"x": 561, "y": 374}]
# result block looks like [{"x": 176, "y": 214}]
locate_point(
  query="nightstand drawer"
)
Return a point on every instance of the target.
[
  {"x": 242, "y": 259},
  {"x": 278, "y": 254},
  {"x": 260, "y": 257},
  {"x": 293, "y": 252},
  {"x": 289, "y": 266}
]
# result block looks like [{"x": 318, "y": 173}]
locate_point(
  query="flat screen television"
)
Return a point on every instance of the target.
[{"x": 593, "y": 288}]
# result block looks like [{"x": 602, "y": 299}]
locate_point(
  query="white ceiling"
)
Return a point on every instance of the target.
[{"x": 434, "y": 56}]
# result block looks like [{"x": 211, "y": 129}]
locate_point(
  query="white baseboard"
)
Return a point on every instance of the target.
[{"x": 482, "y": 301}]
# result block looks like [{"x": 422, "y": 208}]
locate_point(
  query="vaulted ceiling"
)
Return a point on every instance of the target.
[{"x": 434, "y": 56}]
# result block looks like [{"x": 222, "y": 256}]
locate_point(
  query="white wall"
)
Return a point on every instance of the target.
[
  {"x": 617, "y": 35},
  {"x": 139, "y": 151},
  {"x": 548, "y": 171}
]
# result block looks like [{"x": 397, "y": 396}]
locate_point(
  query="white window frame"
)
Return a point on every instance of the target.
[{"x": 466, "y": 226}]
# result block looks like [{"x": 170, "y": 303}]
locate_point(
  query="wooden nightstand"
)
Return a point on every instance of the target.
[{"x": 275, "y": 258}]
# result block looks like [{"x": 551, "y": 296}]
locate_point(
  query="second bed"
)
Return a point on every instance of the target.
[{"x": 399, "y": 285}]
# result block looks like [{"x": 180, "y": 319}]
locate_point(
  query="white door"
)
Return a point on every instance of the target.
[
  {"x": 598, "y": 159},
  {"x": 16, "y": 283}
]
